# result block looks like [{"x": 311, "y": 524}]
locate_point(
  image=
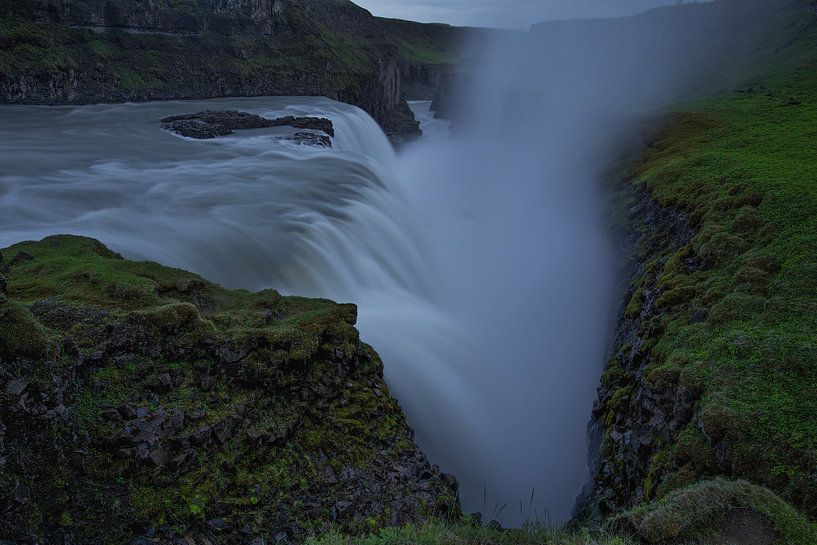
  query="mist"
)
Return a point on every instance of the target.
[
  {"x": 513, "y": 212},
  {"x": 482, "y": 263}
]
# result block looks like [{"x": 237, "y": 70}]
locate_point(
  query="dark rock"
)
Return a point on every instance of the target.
[
  {"x": 225, "y": 429},
  {"x": 451, "y": 481},
  {"x": 162, "y": 383},
  {"x": 342, "y": 506},
  {"x": 622, "y": 459},
  {"x": 311, "y": 123},
  {"x": 217, "y": 524},
  {"x": 229, "y": 355},
  {"x": 311, "y": 139},
  {"x": 495, "y": 525},
  {"x": 201, "y": 435},
  {"x": 18, "y": 258},
  {"x": 21, "y": 493},
  {"x": 159, "y": 456},
  {"x": 212, "y": 124},
  {"x": 16, "y": 387}
]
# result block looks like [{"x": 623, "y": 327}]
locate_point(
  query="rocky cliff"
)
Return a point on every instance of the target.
[
  {"x": 72, "y": 51},
  {"x": 141, "y": 404},
  {"x": 713, "y": 368}
]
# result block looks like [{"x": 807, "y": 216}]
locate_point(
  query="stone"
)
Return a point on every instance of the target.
[
  {"x": 201, "y": 435},
  {"x": 311, "y": 139},
  {"x": 21, "y": 493},
  {"x": 159, "y": 456},
  {"x": 213, "y": 124},
  {"x": 231, "y": 356},
  {"x": 16, "y": 387},
  {"x": 217, "y": 524},
  {"x": 162, "y": 383},
  {"x": 451, "y": 481}
]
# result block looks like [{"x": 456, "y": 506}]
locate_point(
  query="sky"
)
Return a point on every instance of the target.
[{"x": 504, "y": 13}]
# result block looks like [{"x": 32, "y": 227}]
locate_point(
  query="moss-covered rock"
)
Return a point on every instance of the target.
[
  {"x": 139, "y": 400},
  {"x": 715, "y": 512},
  {"x": 713, "y": 370}
]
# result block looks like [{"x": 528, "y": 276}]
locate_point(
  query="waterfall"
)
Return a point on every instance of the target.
[{"x": 465, "y": 283}]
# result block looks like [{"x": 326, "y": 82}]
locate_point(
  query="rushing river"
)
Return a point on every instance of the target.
[{"x": 475, "y": 281}]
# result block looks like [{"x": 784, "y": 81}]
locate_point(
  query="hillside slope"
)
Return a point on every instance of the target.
[
  {"x": 714, "y": 371},
  {"x": 139, "y": 402},
  {"x": 77, "y": 51}
]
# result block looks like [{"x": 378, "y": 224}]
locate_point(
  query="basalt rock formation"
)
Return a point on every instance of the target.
[
  {"x": 210, "y": 124},
  {"x": 73, "y": 52},
  {"x": 142, "y": 404}
]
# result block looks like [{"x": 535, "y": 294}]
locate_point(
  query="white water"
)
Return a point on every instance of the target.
[{"x": 466, "y": 281}]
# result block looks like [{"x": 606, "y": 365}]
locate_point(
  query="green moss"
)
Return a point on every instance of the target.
[
  {"x": 20, "y": 333},
  {"x": 304, "y": 395},
  {"x": 438, "y": 532},
  {"x": 634, "y": 305},
  {"x": 699, "y": 513},
  {"x": 738, "y": 301}
]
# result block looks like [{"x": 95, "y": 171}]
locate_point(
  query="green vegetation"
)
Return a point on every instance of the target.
[
  {"x": 735, "y": 321},
  {"x": 425, "y": 43},
  {"x": 438, "y": 532},
  {"x": 137, "y": 66},
  {"x": 709, "y": 510},
  {"x": 734, "y": 326},
  {"x": 305, "y": 50},
  {"x": 717, "y": 511},
  {"x": 148, "y": 397}
]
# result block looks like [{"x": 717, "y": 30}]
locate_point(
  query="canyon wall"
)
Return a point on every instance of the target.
[{"x": 78, "y": 51}]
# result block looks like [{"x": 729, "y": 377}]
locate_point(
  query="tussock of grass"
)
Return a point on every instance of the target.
[
  {"x": 700, "y": 513},
  {"x": 742, "y": 322}
]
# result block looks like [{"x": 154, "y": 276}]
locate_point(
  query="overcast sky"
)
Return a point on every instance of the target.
[{"x": 504, "y": 13}]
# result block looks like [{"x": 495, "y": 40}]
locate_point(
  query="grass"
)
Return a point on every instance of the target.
[
  {"x": 290, "y": 375},
  {"x": 743, "y": 167},
  {"x": 306, "y": 58},
  {"x": 438, "y": 532},
  {"x": 700, "y": 514}
]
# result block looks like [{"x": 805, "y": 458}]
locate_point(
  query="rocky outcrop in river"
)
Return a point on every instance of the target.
[{"x": 209, "y": 124}]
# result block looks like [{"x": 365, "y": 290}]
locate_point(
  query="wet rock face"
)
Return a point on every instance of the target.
[
  {"x": 181, "y": 411},
  {"x": 212, "y": 124},
  {"x": 637, "y": 415}
]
